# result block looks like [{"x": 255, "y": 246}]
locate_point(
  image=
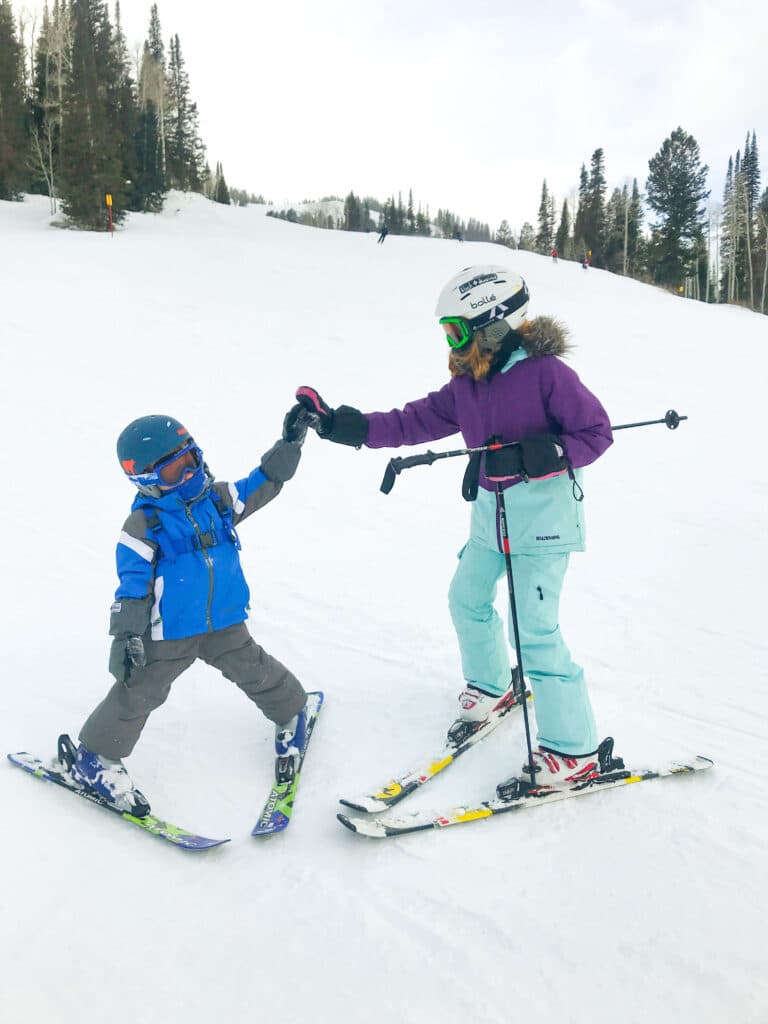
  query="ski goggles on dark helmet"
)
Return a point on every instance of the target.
[{"x": 171, "y": 469}]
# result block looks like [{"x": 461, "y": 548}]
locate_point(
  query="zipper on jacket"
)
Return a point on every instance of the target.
[{"x": 209, "y": 563}]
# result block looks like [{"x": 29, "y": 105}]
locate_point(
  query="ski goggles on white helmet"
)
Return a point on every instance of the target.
[
  {"x": 458, "y": 331},
  {"x": 496, "y": 294},
  {"x": 170, "y": 470}
]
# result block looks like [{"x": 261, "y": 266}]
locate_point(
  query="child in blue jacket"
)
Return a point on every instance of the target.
[{"x": 182, "y": 596}]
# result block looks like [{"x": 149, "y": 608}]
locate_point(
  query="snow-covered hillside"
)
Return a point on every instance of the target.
[{"x": 643, "y": 905}]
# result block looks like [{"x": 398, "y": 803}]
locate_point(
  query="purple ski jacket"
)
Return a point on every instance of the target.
[{"x": 534, "y": 392}]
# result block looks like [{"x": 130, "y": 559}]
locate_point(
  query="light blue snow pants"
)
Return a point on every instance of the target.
[{"x": 561, "y": 702}]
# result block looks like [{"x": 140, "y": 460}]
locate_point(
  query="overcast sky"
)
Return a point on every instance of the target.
[{"x": 471, "y": 103}]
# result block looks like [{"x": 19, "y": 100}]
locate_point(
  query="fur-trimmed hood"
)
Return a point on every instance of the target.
[{"x": 544, "y": 336}]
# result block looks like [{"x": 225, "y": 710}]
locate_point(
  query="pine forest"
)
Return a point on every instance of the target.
[{"x": 82, "y": 120}]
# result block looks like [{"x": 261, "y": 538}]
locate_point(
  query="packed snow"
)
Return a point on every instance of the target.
[{"x": 643, "y": 904}]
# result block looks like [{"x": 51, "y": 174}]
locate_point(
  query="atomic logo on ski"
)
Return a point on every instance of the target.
[{"x": 277, "y": 810}]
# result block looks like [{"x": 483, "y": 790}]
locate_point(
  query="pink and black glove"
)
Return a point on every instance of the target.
[{"x": 343, "y": 425}]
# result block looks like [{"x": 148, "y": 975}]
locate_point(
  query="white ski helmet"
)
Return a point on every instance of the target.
[{"x": 479, "y": 296}]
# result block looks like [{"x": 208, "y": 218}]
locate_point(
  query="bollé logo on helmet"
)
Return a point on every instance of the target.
[
  {"x": 482, "y": 302},
  {"x": 480, "y": 279}
]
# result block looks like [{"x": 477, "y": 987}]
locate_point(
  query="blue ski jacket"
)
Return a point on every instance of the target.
[{"x": 179, "y": 564}]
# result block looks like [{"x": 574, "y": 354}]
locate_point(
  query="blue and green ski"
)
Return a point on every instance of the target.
[
  {"x": 54, "y": 771},
  {"x": 277, "y": 811}
]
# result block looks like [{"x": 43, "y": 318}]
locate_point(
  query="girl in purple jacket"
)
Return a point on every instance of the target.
[{"x": 507, "y": 382}]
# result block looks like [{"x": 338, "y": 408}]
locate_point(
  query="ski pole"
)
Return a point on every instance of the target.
[
  {"x": 395, "y": 466},
  {"x": 502, "y": 513},
  {"x": 671, "y": 419}
]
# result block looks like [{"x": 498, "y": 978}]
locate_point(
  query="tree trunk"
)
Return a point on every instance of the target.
[
  {"x": 749, "y": 251},
  {"x": 764, "y": 221}
]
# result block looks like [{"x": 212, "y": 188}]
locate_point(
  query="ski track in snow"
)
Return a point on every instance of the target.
[{"x": 644, "y": 906}]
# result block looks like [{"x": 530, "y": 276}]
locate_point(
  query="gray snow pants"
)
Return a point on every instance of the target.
[{"x": 114, "y": 727}]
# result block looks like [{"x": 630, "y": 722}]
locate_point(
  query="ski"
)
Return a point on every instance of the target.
[
  {"x": 468, "y": 734},
  {"x": 55, "y": 772},
  {"x": 277, "y": 810},
  {"x": 526, "y": 796}
]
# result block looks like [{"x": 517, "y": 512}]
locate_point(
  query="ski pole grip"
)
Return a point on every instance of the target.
[
  {"x": 396, "y": 466},
  {"x": 390, "y": 475}
]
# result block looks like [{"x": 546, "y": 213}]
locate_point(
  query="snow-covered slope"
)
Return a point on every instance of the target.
[{"x": 647, "y": 905}]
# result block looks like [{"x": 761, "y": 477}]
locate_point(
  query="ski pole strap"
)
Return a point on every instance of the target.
[{"x": 471, "y": 479}]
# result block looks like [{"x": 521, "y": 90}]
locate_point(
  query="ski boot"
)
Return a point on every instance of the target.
[
  {"x": 475, "y": 705},
  {"x": 290, "y": 740},
  {"x": 553, "y": 770},
  {"x": 102, "y": 776}
]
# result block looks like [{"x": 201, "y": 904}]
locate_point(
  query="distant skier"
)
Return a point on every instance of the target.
[
  {"x": 585, "y": 262},
  {"x": 554, "y": 255},
  {"x": 383, "y": 234},
  {"x": 507, "y": 381},
  {"x": 182, "y": 596}
]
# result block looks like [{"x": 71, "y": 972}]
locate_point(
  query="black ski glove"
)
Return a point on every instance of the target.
[
  {"x": 343, "y": 425},
  {"x": 537, "y": 456},
  {"x": 281, "y": 461},
  {"x": 296, "y": 423},
  {"x": 127, "y": 654}
]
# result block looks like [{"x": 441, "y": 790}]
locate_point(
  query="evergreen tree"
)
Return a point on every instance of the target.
[
  {"x": 580, "y": 224},
  {"x": 676, "y": 188},
  {"x": 90, "y": 158},
  {"x": 155, "y": 36},
  {"x": 13, "y": 128},
  {"x": 220, "y": 190},
  {"x": 615, "y": 214},
  {"x": 352, "y": 213},
  {"x": 527, "y": 240},
  {"x": 596, "y": 229},
  {"x": 729, "y": 239},
  {"x": 183, "y": 146},
  {"x": 739, "y": 244},
  {"x": 750, "y": 168},
  {"x": 563, "y": 236},
  {"x": 546, "y": 231},
  {"x": 636, "y": 250},
  {"x": 410, "y": 215},
  {"x": 504, "y": 235}
]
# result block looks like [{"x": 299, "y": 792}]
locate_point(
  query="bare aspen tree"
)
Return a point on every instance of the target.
[
  {"x": 54, "y": 53},
  {"x": 748, "y": 233},
  {"x": 152, "y": 88},
  {"x": 713, "y": 250},
  {"x": 717, "y": 212},
  {"x": 626, "y": 227},
  {"x": 763, "y": 222},
  {"x": 733, "y": 229}
]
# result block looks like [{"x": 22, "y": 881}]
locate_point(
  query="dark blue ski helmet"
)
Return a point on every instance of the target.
[{"x": 157, "y": 454}]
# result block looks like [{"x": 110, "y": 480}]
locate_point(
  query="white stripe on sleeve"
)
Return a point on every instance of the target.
[
  {"x": 237, "y": 504},
  {"x": 142, "y": 550}
]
